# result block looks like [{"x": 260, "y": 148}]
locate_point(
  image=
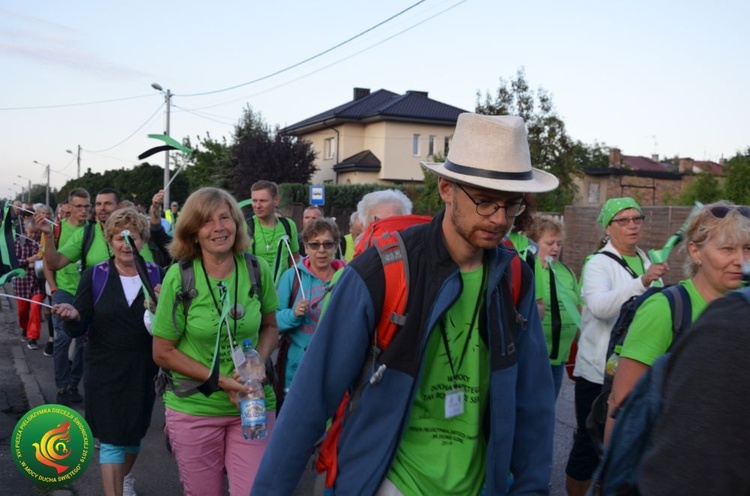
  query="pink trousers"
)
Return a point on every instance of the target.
[{"x": 205, "y": 446}]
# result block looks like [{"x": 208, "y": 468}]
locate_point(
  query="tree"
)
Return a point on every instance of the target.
[
  {"x": 211, "y": 163},
  {"x": 550, "y": 147},
  {"x": 705, "y": 189},
  {"x": 258, "y": 152},
  {"x": 594, "y": 156},
  {"x": 737, "y": 179}
]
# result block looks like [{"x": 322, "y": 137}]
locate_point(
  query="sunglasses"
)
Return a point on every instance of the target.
[
  {"x": 327, "y": 245},
  {"x": 721, "y": 211}
]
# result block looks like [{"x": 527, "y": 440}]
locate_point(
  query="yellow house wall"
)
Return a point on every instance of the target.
[{"x": 391, "y": 142}]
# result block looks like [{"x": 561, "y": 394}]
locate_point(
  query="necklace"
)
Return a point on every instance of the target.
[
  {"x": 273, "y": 234},
  {"x": 125, "y": 273}
]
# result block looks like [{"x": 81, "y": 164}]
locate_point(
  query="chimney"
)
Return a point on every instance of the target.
[
  {"x": 418, "y": 93},
  {"x": 655, "y": 157},
  {"x": 615, "y": 158},
  {"x": 686, "y": 165},
  {"x": 361, "y": 93}
]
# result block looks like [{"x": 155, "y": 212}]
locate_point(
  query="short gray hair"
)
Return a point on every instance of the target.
[{"x": 383, "y": 197}]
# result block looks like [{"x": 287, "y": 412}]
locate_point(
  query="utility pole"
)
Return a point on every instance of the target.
[
  {"x": 78, "y": 159},
  {"x": 168, "y": 99}
]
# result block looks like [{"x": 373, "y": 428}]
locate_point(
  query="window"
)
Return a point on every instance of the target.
[
  {"x": 415, "y": 145},
  {"x": 329, "y": 148},
  {"x": 593, "y": 193},
  {"x": 431, "y": 146},
  {"x": 447, "y": 145}
]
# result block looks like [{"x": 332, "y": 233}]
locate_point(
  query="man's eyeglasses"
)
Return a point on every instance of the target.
[
  {"x": 80, "y": 206},
  {"x": 721, "y": 211},
  {"x": 487, "y": 208},
  {"x": 624, "y": 221},
  {"x": 327, "y": 245}
]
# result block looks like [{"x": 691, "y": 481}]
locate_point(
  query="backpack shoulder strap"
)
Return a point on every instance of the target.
[
  {"x": 681, "y": 308},
  {"x": 287, "y": 228},
  {"x": 393, "y": 255},
  {"x": 186, "y": 293},
  {"x": 56, "y": 232},
  {"x": 154, "y": 273},
  {"x": 88, "y": 240},
  {"x": 99, "y": 275},
  {"x": 295, "y": 290},
  {"x": 250, "y": 221},
  {"x": 253, "y": 270},
  {"x": 620, "y": 261}
]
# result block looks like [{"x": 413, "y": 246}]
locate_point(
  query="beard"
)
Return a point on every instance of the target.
[{"x": 476, "y": 234}]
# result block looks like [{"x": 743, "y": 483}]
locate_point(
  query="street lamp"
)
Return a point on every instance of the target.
[
  {"x": 28, "y": 194},
  {"x": 22, "y": 188},
  {"x": 78, "y": 158},
  {"x": 168, "y": 99},
  {"x": 46, "y": 196}
]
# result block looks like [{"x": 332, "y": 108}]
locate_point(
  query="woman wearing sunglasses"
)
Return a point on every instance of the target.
[
  {"x": 611, "y": 276},
  {"x": 301, "y": 292},
  {"x": 717, "y": 241}
]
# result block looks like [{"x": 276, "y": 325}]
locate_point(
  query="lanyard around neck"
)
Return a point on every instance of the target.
[
  {"x": 480, "y": 301},
  {"x": 225, "y": 308}
]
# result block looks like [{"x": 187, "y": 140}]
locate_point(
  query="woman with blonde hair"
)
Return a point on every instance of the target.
[
  {"x": 203, "y": 425},
  {"x": 557, "y": 288},
  {"x": 109, "y": 308},
  {"x": 717, "y": 241}
]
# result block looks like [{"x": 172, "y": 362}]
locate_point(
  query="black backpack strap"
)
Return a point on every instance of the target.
[
  {"x": 287, "y": 228},
  {"x": 556, "y": 318},
  {"x": 88, "y": 240},
  {"x": 620, "y": 261},
  {"x": 253, "y": 270},
  {"x": 186, "y": 293},
  {"x": 682, "y": 309}
]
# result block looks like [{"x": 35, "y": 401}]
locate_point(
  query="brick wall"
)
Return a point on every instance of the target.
[{"x": 583, "y": 233}]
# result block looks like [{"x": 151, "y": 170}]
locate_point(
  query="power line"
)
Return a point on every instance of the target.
[
  {"x": 288, "y": 68},
  {"x": 131, "y": 134},
  {"x": 334, "y": 62},
  {"x": 82, "y": 104}
]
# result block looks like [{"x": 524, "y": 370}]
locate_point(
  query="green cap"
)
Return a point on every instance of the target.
[{"x": 614, "y": 205}]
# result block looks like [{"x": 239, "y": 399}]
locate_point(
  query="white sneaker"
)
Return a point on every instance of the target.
[{"x": 128, "y": 486}]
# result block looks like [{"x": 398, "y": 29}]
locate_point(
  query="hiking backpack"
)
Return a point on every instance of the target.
[
  {"x": 619, "y": 470},
  {"x": 384, "y": 235},
  {"x": 681, "y": 313},
  {"x": 100, "y": 273},
  {"x": 185, "y": 297}
]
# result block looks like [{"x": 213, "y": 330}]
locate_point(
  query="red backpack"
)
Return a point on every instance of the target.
[{"x": 385, "y": 237}]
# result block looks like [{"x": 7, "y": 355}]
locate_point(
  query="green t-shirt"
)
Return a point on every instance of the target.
[
  {"x": 99, "y": 250},
  {"x": 267, "y": 241},
  {"x": 68, "y": 277},
  {"x": 565, "y": 281},
  {"x": 439, "y": 455},
  {"x": 650, "y": 333},
  {"x": 198, "y": 340}
]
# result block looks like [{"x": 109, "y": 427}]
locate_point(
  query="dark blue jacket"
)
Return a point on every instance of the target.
[{"x": 521, "y": 409}]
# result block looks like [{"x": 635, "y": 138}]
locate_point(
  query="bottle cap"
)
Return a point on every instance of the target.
[{"x": 247, "y": 343}]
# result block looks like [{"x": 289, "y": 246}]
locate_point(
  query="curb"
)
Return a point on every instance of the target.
[{"x": 30, "y": 385}]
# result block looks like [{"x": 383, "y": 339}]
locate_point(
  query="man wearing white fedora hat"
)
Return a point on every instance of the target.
[{"x": 462, "y": 400}]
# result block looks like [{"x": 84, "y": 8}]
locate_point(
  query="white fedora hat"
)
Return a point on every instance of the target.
[{"x": 492, "y": 151}]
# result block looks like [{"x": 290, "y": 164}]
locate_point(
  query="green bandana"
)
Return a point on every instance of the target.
[{"x": 614, "y": 205}]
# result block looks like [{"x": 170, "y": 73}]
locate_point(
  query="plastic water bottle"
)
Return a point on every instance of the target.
[{"x": 252, "y": 405}]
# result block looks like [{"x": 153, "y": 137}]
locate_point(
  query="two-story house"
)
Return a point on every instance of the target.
[{"x": 378, "y": 137}]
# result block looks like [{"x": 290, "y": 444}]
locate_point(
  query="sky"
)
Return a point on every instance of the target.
[{"x": 666, "y": 77}]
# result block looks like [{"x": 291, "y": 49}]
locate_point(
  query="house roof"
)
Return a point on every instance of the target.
[
  {"x": 615, "y": 171},
  {"x": 381, "y": 105},
  {"x": 708, "y": 166},
  {"x": 364, "y": 161},
  {"x": 638, "y": 163}
]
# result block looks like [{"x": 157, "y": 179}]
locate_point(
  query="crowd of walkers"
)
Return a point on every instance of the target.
[{"x": 460, "y": 399}]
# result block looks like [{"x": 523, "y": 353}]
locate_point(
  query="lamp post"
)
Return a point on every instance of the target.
[
  {"x": 168, "y": 99},
  {"x": 78, "y": 159},
  {"x": 46, "y": 196},
  {"x": 28, "y": 193},
  {"x": 22, "y": 188}
]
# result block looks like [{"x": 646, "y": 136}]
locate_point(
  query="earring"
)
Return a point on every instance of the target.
[{"x": 697, "y": 262}]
